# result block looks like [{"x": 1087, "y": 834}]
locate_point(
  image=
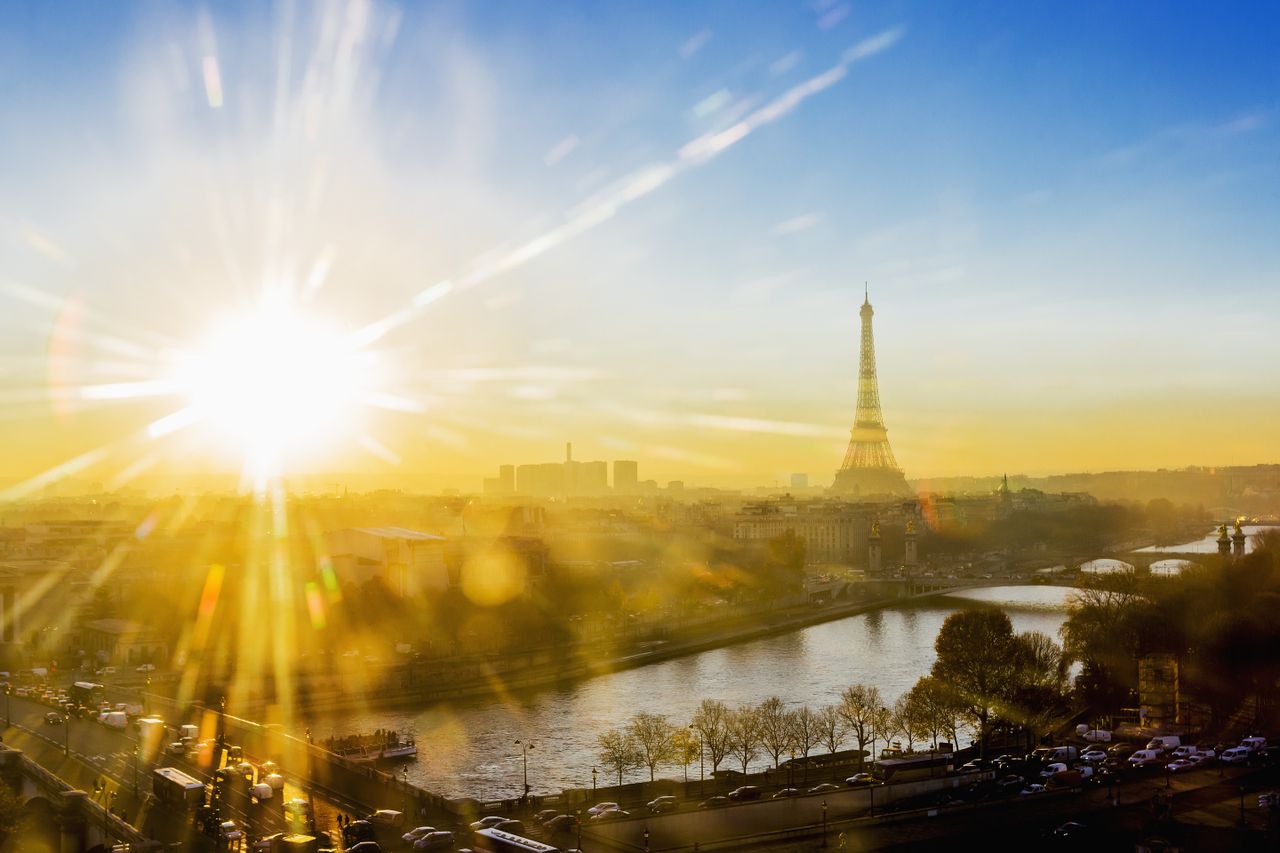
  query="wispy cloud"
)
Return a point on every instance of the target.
[
  {"x": 878, "y": 43},
  {"x": 560, "y": 150},
  {"x": 695, "y": 43},
  {"x": 796, "y": 224}
]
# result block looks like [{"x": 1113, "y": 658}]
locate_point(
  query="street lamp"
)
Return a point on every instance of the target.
[
  {"x": 1242, "y": 820},
  {"x": 824, "y": 823},
  {"x": 593, "y": 781},
  {"x": 578, "y": 820},
  {"x": 66, "y": 734},
  {"x": 146, "y": 697},
  {"x": 646, "y": 839},
  {"x": 702, "y": 765},
  {"x": 524, "y": 752},
  {"x": 8, "y": 692}
]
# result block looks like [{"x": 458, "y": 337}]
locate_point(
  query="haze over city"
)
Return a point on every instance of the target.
[{"x": 645, "y": 233}]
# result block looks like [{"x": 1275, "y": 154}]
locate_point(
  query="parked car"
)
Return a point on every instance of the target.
[
  {"x": 665, "y": 803},
  {"x": 745, "y": 792},
  {"x": 1098, "y": 736},
  {"x": 599, "y": 807},
  {"x": 717, "y": 801},
  {"x": 146, "y": 667},
  {"x": 1094, "y": 756},
  {"x": 438, "y": 840},
  {"x": 1121, "y": 750},
  {"x": 365, "y": 847},
  {"x": 416, "y": 833},
  {"x": 1180, "y": 764},
  {"x": 1033, "y": 788}
]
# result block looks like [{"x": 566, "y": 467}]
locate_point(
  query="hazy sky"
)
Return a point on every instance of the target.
[{"x": 645, "y": 227}]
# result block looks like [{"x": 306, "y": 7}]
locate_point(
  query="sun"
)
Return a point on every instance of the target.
[{"x": 274, "y": 384}]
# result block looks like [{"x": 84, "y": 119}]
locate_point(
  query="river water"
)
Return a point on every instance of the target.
[
  {"x": 1209, "y": 544},
  {"x": 468, "y": 748}
]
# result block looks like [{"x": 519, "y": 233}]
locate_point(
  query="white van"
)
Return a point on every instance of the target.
[
  {"x": 1254, "y": 742},
  {"x": 114, "y": 719},
  {"x": 1165, "y": 742},
  {"x": 1235, "y": 755},
  {"x": 1145, "y": 758},
  {"x": 1184, "y": 751}
]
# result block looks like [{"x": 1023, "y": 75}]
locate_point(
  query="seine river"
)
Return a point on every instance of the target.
[{"x": 468, "y": 749}]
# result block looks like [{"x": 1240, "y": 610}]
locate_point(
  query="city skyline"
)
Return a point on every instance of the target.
[{"x": 663, "y": 260}]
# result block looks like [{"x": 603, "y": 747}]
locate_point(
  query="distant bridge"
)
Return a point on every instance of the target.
[{"x": 72, "y": 821}]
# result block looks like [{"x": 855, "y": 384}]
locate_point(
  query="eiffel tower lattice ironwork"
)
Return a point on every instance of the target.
[{"x": 869, "y": 467}]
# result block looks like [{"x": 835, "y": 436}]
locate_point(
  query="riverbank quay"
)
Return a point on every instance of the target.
[{"x": 1199, "y": 811}]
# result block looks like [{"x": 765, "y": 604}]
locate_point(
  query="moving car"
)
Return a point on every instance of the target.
[
  {"x": 53, "y": 718},
  {"x": 602, "y": 807},
  {"x": 824, "y": 788},
  {"x": 561, "y": 823},
  {"x": 858, "y": 780},
  {"x": 665, "y": 803},
  {"x": 1180, "y": 764},
  {"x": 491, "y": 821},
  {"x": 787, "y": 792},
  {"x": 545, "y": 815},
  {"x": 744, "y": 793},
  {"x": 611, "y": 814},
  {"x": 715, "y": 802}
]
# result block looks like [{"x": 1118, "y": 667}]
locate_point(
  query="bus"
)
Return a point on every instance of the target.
[
  {"x": 175, "y": 788},
  {"x": 497, "y": 841},
  {"x": 918, "y": 766},
  {"x": 86, "y": 693}
]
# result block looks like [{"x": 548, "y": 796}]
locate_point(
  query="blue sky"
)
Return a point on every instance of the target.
[{"x": 1067, "y": 213}]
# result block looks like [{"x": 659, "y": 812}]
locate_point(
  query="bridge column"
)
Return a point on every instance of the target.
[{"x": 71, "y": 822}]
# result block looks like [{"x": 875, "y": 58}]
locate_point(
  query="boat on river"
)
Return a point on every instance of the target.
[{"x": 382, "y": 745}]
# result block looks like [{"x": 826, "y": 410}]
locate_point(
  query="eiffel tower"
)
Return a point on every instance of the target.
[{"x": 869, "y": 467}]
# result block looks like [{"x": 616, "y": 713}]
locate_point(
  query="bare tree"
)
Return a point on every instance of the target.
[
  {"x": 744, "y": 734},
  {"x": 711, "y": 720},
  {"x": 685, "y": 746},
  {"x": 831, "y": 727},
  {"x": 651, "y": 734},
  {"x": 907, "y": 718},
  {"x": 862, "y": 710},
  {"x": 618, "y": 752},
  {"x": 937, "y": 709},
  {"x": 806, "y": 729},
  {"x": 776, "y": 732}
]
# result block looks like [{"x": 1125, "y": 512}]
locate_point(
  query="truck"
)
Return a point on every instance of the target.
[
  {"x": 176, "y": 789},
  {"x": 152, "y": 735}
]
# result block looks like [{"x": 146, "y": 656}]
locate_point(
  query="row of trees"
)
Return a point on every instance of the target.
[{"x": 984, "y": 675}]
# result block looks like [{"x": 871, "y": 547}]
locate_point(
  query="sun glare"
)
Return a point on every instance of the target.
[{"x": 274, "y": 383}]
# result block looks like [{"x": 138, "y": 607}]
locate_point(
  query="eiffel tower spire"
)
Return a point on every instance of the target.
[{"x": 869, "y": 467}]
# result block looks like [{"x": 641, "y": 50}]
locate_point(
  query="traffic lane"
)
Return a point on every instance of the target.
[{"x": 112, "y": 752}]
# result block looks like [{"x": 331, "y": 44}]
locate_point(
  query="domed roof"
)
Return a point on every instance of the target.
[{"x": 1105, "y": 566}]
